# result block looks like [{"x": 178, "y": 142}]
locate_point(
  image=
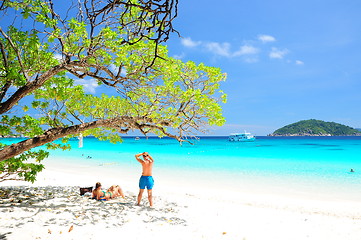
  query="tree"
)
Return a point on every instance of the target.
[{"x": 118, "y": 43}]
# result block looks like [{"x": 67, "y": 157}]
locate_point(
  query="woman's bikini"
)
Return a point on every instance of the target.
[
  {"x": 104, "y": 195},
  {"x": 110, "y": 194}
]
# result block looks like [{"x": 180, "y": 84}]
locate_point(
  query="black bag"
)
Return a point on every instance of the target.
[{"x": 85, "y": 190}]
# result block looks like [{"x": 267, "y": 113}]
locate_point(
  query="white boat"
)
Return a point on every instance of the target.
[{"x": 241, "y": 137}]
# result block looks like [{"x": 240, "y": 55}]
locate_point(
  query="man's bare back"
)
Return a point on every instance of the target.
[{"x": 147, "y": 168}]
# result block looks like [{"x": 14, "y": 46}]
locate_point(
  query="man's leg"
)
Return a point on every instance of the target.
[
  {"x": 150, "y": 197},
  {"x": 140, "y": 196}
]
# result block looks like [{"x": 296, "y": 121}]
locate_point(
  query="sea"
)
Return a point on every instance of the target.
[{"x": 319, "y": 167}]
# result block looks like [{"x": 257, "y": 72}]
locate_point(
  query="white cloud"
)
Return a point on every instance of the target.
[
  {"x": 246, "y": 50},
  {"x": 89, "y": 85},
  {"x": 115, "y": 70},
  {"x": 266, "y": 38},
  {"x": 278, "y": 53},
  {"x": 221, "y": 49},
  {"x": 249, "y": 51},
  {"x": 224, "y": 49},
  {"x": 179, "y": 56},
  {"x": 252, "y": 59},
  {"x": 188, "y": 42},
  {"x": 58, "y": 56}
]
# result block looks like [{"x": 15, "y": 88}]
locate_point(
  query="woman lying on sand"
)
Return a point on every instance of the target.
[{"x": 113, "y": 192}]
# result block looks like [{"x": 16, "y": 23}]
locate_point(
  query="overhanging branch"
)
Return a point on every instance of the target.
[{"x": 122, "y": 124}]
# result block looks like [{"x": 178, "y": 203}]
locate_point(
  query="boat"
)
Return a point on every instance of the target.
[
  {"x": 241, "y": 137},
  {"x": 137, "y": 138}
]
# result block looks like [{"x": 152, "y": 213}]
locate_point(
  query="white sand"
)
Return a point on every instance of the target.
[{"x": 184, "y": 209}]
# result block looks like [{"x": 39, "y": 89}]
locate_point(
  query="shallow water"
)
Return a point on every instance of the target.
[{"x": 298, "y": 165}]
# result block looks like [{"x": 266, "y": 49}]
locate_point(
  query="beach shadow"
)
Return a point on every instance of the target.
[
  {"x": 164, "y": 212},
  {"x": 52, "y": 207},
  {"x": 3, "y": 235}
]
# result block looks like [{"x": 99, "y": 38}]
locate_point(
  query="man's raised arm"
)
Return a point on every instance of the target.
[{"x": 139, "y": 159}]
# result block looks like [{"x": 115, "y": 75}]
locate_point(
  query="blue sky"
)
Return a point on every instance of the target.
[{"x": 286, "y": 61}]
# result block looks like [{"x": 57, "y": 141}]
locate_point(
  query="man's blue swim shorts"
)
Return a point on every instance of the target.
[{"x": 146, "y": 181}]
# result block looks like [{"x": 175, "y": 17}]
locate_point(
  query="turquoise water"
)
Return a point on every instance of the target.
[{"x": 304, "y": 164}]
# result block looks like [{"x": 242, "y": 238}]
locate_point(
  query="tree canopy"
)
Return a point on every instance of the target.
[{"x": 46, "y": 46}]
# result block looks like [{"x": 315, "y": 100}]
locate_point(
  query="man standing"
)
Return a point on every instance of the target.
[{"x": 146, "y": 180}]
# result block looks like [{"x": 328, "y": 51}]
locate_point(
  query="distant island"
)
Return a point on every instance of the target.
[{"x": 314, "y": 127}]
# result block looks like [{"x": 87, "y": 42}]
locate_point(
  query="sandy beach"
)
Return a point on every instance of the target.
[{"x": 52, "y": 208}]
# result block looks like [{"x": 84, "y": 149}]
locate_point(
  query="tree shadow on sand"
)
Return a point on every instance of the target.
[{"x": 63, "y": 206}]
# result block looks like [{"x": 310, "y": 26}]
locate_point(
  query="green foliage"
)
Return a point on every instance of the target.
[
  {"x": 155, "y": 93},
  {"x": 16, "y": 126},
  {"x": 18, "y": 168},
  {"x": 316, "y": 127}
]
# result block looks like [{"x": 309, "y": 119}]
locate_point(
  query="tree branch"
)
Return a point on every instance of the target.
[
  {"x": 29, "y": 88},
  {"x": 17, "y": 53},
  {"x": 123, "y": 124}
]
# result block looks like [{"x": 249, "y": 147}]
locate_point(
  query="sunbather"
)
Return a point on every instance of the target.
[
  {"x": 116, "y": 191},
  {"x": 112, "y": 192}
]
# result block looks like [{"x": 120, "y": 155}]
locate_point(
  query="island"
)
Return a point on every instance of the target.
[{"x": 315, "y": 127}]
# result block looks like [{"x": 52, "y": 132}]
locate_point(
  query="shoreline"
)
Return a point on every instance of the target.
[
  {"x": 184, "y": 209},
  {"x": 168, "y": 181},
  {"x": 60, "y": 172}
]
